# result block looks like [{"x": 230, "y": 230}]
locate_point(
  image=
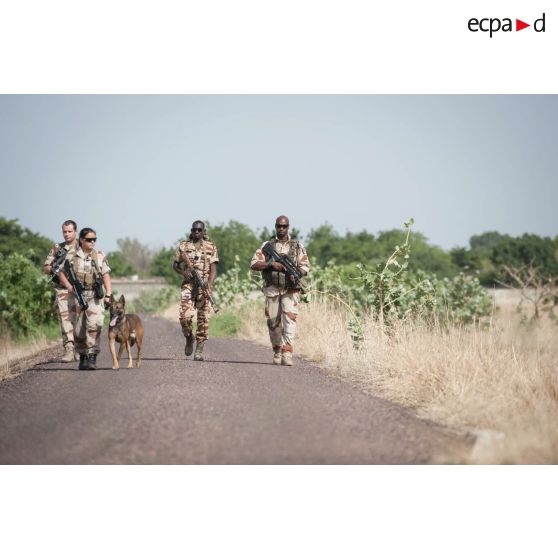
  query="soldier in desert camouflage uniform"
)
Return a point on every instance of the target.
[
  {"x": 198, "y": 251},
  {"x": 281, "y": 295},
  {"x": 69, "y": 232},
  {"x": 88, "y": 264}
]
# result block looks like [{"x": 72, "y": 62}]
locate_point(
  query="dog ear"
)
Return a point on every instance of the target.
[{"x": 122, "y": 299}]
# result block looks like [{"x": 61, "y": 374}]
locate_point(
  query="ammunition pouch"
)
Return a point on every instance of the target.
[
  {"x": 277, "y": 279},
  {"x": 98, "y": 290},
  {"x": 92, "y": 280}
]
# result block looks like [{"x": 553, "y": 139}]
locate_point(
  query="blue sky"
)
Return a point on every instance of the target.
[{"x": 147, "y": 166}]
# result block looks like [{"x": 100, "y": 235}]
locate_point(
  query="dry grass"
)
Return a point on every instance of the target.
[
  {"x": 502, "y": 379},
  {"x": 11, "y": 352}
]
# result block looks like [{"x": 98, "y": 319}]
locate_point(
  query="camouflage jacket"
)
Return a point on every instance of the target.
[{"x": 200, "y": 254}]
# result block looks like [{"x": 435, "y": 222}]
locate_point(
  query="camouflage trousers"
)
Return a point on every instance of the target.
[
  {"x": 87, "y": 323},
  {"x": 281, "y": 312},
  {"x": 188, "y": 309},
  {"x": 66, "y": 328}
]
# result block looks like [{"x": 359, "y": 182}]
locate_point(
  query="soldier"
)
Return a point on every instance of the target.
[
  {"x": 91, "y": 269},
  {"x": 198, "y": 251},
  {"x": 281, "y": 293},
  {"x": 69, "y": 232}
]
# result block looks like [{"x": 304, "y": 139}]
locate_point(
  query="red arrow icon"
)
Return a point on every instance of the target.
[{"x": 519, "y": 25}]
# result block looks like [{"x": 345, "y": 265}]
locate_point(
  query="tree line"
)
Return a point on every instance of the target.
[
  {"x": 484, "y": 257},
  {"x": 343, "y": 264}
]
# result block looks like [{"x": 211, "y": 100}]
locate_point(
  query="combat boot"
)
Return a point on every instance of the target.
[
  {"x": 83, "y": 362},
  {"x": 287, "y": 358},
  {"x": 92, "y": 361},
  {"x": 277, "y": 357},
  {"x": 68, "y": 353},
  {"x": 189, "y": 348},
  {"x": 198, "y": 355}
]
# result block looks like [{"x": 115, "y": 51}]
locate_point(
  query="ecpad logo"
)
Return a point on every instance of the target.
[{"x": 493, "y": 25}]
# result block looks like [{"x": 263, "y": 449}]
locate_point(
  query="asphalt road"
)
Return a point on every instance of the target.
[{"x": 234, "y": 408}]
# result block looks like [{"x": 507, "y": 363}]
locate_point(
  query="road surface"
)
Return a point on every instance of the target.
[{"x": 234, "y": 408}]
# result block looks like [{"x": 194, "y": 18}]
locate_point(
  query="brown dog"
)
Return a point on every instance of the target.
[{"x": 127, "y": 329}]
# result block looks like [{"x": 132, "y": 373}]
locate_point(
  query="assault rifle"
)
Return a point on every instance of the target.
[
  {"x": 290, "y": 268},
  {"x": 76, "y": 283},
  {"x": 56, "y": 266},
  {"x": 200, "y": 283}
]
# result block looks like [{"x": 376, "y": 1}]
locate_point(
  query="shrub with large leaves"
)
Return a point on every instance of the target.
[
  {"x": 391, "y": 290},
  {"x": 25, "y": 295}
]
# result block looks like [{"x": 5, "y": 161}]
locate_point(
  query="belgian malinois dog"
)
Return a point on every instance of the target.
[{"x": 127, "y": 329}]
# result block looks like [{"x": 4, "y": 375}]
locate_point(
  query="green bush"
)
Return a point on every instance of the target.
[
  {"x": 25, "y": 296},
  {"x": 224, "y": 324},
  {"x": 392, "y": 290},
  {"x": 161, "y": 266},
  {"x": 234, "y": 285}
]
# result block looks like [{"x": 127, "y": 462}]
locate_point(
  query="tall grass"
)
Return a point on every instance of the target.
[
  {"x": 13, "y": 350},
  {"x": 502, "y": 378}
]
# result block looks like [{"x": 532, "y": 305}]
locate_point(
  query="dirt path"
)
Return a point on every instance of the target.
[{"x": 235, "y": 407}]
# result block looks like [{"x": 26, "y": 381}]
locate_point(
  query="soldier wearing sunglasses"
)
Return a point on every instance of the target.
[
  {"x": 199, "y": 252},
  {"x": 91, "y": 268},
  {"x": 282, "y": 294}
]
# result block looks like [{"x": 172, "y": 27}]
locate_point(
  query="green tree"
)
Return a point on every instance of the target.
[
  {"x": 478, "y": 258},
  {"x": 325, "y": 245},
  {"x": 233, "y": 239},
  {"x": 487, "y": 240},
  {"x": 15, "y": 238},
  {"x": 523, "y": 251},
  {"x": 161, "y": 266},
  {"x": 120, "y": 267},
  {"x": 465, "y": 259},
  {"x": 138, "y": 255}
]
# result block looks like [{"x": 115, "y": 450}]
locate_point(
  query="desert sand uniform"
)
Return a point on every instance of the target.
[
  {"x": 87, "y": 323},
  {"x": 61, "y": 293},
  {"x": 201, "y": 255},
  {"x": 281, "y": 298}
]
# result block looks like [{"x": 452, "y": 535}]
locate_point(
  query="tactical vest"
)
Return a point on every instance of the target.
[
  {"x": 87, "y": 279},
  {"x": 279, "y": 278},
  {"x": 206, "y": 268}
]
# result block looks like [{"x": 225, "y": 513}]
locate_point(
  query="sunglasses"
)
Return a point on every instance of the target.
[
  {"x": 196, "y": 230},
  {"x": 281, "y": 226},
  {"x": 91, "y": 239}
]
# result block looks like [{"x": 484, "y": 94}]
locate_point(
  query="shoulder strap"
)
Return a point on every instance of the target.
[
  {"x": 204, "y": 254},
  {"x": 74, "y": 263},
  {"x": 293, "y": 250},
  {"x": 59, "y": 248},
  {"x": 95, "y": 262}
]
